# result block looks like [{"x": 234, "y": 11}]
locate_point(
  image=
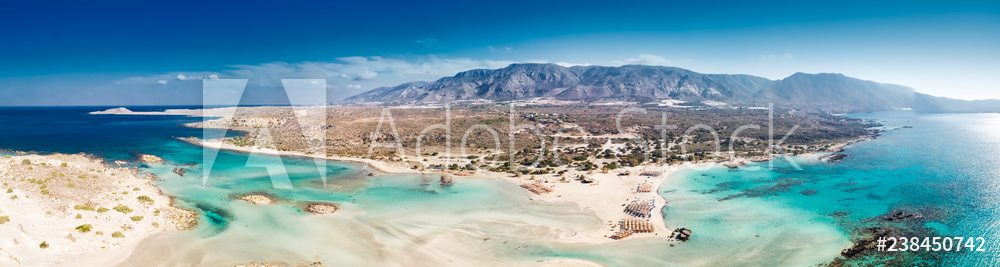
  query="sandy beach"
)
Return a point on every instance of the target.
[
  {"x": 606, "y": 197},
  {"x": 76, "y": 210}
]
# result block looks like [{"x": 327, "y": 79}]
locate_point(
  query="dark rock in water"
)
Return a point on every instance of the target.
[
  {"x": 446, "y": 180},
  {"x": 682, "y": 234},
  {"x": 901, "y": 215},
  {"x": 869, "y": 243},
  {"x": 808, "y": 192},
  {"x": 180, "y": 171},
  {"x": 836, "y": 157},
  {"x": 371, "y": 174},
  {"x": 321, "y": 208}
]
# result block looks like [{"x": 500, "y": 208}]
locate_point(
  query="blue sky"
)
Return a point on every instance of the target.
[{"x": 156, "y": 53}]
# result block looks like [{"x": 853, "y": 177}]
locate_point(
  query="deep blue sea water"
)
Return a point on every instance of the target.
[{"x": 946, "y": 167}]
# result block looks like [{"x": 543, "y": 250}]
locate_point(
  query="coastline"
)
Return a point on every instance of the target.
[
  {"x": 83, "y": 210},
  {"x": 611, "y": 189},
  {"x": 597, "y": 198}
]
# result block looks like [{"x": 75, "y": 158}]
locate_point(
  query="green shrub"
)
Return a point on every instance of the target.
[
  {"x": 118, "y": 234},
  {"x": 82, "y": 176},
  {"x": 82, "y": 207},
  {"x": 102, "y": 210},
  {"x": 136, "y": 218},
  {"x": 79, "y": 216},
  {"x": 25, "y": 162},
  {"x": 43, "y": 245},
  {"x": 70, "y": 185},
  {"x": 4, "y": 219},
  {"x": 145, "y": 199},
  {"x": 99, "y": 233},
  {"x": 45, "y": 191},
  {"x": 13, "y": 197},
  {"x": 84, "y": 228},
  {"x": 135, "y": 189},
  {"x": 123, "y": 209},
  {"x": 10, "y": 190},
  {"x": 63, "y": 165}
]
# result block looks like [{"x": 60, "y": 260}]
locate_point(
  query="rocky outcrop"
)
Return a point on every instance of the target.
[
  {"x": 150, "y": 159},
  {"x": 257, "y": 199},
  {"x": 321, "y": 208}
]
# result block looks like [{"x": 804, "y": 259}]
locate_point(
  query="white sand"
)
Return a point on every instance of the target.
[
  {"x": 36, "y": 217},
  {"x": 606, "y": 197}
]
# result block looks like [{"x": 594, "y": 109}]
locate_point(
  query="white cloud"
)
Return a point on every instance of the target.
[
  {"x": 162, "y": 82},
  {"x": 345, "y": 76},
  {"x": 646, "y": 59},
  {"x": 366, "y": 75},
  {"x": 182, "y": 77}
]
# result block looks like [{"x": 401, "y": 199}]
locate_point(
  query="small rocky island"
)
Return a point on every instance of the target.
[
  {"x": 321, "y": 208},
  {"x": 257, "y": 199}
]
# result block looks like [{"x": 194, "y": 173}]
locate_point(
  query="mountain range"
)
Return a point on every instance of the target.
[{"x": 824, "y": 91}]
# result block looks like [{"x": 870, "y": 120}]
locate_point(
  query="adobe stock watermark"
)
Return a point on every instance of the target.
[
  {"x": 387, "y": 127},
  {"x": 303, "y": 101},
  {"x": 302, "y": 120}
]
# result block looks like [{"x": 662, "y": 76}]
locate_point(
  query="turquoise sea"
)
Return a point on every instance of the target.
[{"x": 946, "y": 168}]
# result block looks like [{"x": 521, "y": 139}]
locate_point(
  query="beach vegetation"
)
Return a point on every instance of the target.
[
  {"x": 102, "y": 210},
  {"x": 123, "y": 209},
  {"x": 124, "y": 192},
  {"x": 99, "y": 233},
  {"x": 43, "y": 245},
  {"x": 83, "y": 228},
  {"x": 13, "y": 197},
  {"x": 79, "y": 216},
  {"x": 4, "y": 219},
  {"x": 135, "y": 189},
  {"x": 118, "y": 234},
  {"x": 63, "y": 165},
  {"x": 145, "y": 199},
  {"x": 83, "y": 207},
  {"x": 82, "y": 176},
  {"x": 26, "y": 162},
  {"x": 10, "y": 190},
  {"x": 71, "y": 185},
  {"x": 136, "y": 218}
]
